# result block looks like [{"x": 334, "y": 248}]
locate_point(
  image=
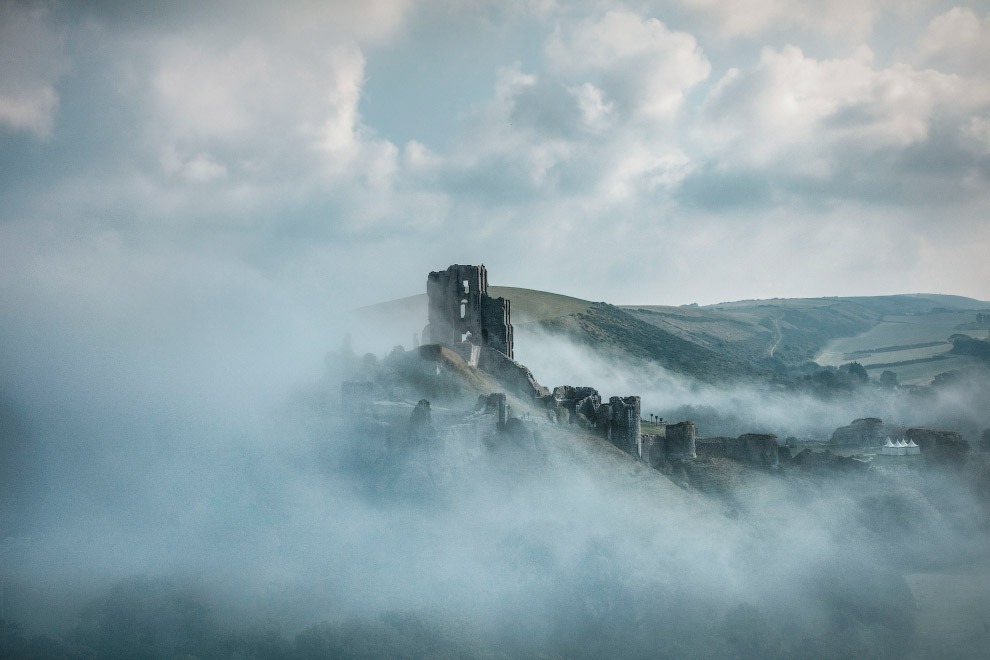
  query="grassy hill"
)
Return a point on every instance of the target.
[
  {"x": 613, "y": 329},
  {"x": 908, "y": 334},
  {"x": 528, "y": 306}
]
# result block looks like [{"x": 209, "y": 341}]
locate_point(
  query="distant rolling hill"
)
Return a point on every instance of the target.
[
  {"x": 908, "y": 334},
  {"x": 762, "y": 339}
]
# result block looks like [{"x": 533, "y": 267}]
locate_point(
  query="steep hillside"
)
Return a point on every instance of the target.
[{"x": 612, "y": 329}]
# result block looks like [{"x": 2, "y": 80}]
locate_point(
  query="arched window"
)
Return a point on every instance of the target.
[{"x": 463, "y": 308}]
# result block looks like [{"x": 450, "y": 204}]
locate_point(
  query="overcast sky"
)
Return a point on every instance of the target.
[{"x": 159, "y": 159}]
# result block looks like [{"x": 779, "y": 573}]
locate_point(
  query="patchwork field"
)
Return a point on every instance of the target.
[{"x": 914, "y": 346}]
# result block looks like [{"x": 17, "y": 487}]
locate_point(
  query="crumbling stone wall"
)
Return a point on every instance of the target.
[
  {"x": 471, "y": 353},
  {"x": 460, "y": 310},
  {"x": 495, "y": 404},
  {"x": 680, "y": 442},
  {"x": 676, "y": 443},
  {"x": 624, "y": 424},
  {"x": 868, "y": 431},
  {"x": 576, "y": 405},
  {"x": 754, "y": 448},
  {"x": 618, "y": 420},
  {"x": 821, "y": 461}
]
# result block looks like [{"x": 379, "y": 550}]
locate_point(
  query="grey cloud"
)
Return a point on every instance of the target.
[
  {"x": 719, "y": 190},
  {"x": 32, "y": 61}
]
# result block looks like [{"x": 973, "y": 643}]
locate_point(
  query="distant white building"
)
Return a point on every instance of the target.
[{"x": 900, "y": 448}]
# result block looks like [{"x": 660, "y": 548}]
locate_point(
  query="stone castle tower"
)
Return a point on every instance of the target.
[{"x": 462, "y": 312}]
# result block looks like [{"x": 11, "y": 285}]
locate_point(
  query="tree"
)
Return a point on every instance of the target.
[
  {"x": 857, "y": 371},
  {"x": 888, "y": 379}
]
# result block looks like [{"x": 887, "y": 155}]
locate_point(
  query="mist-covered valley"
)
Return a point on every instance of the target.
[
  {"x": 233, "y": 427},
  {"x": 140, "y": 526}
]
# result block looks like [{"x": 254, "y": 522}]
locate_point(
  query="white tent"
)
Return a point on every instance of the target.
[{"x": 899, "y": 448}]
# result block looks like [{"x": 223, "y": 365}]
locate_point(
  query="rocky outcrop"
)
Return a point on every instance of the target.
[
  {"x": 939, "y": 446},
  {"x": 868, "y": 432}
]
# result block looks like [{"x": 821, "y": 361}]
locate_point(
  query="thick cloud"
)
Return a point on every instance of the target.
[
  {"x": 844, "y": 20},
  {"x": 956, "y": 42},
  {"x": 637, "y": 61},
  {"x": 245, "y": 134},
  {"x": 191, "y": 195}
]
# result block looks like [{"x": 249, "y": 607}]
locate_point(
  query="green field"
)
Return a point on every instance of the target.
[
  {"x": 529, "y": 305},
  {"x": 914, "y": 346}
]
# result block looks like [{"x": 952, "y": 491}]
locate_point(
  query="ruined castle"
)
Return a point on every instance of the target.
[
  {"x": 468, "y": 348},
  {"x": 462, "y": 315},
  {"x": 465, "y": 322},
  {"x": 464, "y": 318}
]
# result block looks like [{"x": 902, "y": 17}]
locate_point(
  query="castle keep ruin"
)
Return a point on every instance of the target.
[{"x": 462, "y": 314}]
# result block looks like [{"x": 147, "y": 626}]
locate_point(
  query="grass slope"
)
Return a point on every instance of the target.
[
  {"x": 528, "y": 306},
  {"x": 611, "y": 328}
]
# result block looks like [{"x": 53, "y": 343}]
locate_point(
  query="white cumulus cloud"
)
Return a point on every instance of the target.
[
  {"x": 957, "y": 41},
  {"x": 814, "y": 113},
  {"x": 639, "y": 63}
]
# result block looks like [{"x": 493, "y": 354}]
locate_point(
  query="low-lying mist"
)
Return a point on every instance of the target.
[
  {"x": 733, "y": 408},
  {"x": 156, "y": 527}
]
